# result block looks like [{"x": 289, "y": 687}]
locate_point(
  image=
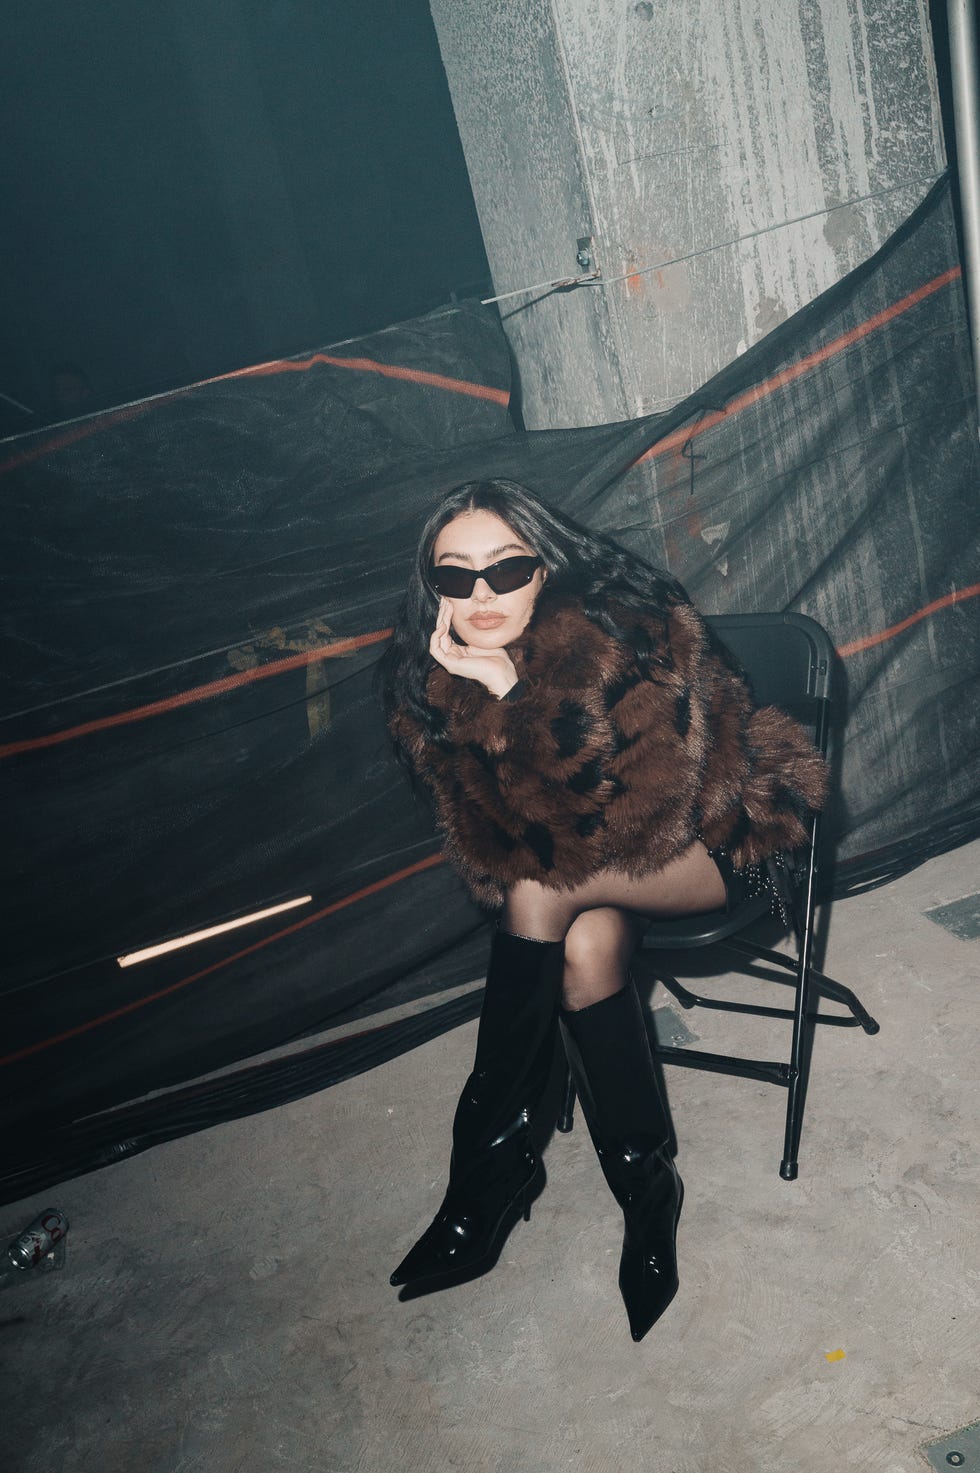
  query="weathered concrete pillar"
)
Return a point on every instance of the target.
[{"x": 765, "y": 147}]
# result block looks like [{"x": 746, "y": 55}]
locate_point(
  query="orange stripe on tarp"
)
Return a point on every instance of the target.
[
  {"x": 371, "y": 365},
  {"x": 345, "y": 646},
  {"x": 680, "y": 438},
  {"x": 196, "y": 693},
  {"x": 141, "y": 1002},
  {"x": 958, "y": 596},
  {"x": 259, "y": 370},
  {"x": 676, "y": 440},
  {"x": 74, "y": 434}
]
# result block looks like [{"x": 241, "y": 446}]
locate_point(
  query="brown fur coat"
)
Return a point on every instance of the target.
[{"x": 604, "y": 760}]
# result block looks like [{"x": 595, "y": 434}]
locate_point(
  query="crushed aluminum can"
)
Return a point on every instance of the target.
[{"x": 37, "y": 1241}]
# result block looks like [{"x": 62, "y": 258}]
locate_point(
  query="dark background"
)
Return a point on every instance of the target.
[
  {"x": 191, "y": 192},
  {"x": 191, "y": 188},
  {"x": 194, "y": 187}
]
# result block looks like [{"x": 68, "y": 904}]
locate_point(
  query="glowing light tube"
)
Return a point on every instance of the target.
[{"x": 176, "y": 942}]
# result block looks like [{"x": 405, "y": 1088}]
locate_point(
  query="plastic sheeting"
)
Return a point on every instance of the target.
[{"x": 199, "y": 586}]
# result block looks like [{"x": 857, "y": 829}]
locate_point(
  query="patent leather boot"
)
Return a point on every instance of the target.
[
  {"x": 494, "y": 1165},
  {"x": 609, "y": 1056}
]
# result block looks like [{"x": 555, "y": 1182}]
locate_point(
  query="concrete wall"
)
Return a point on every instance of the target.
[{"x": 680, "y": 128}]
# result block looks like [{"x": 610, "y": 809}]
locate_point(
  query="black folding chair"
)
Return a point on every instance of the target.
[{"x": 788, "y": 659}]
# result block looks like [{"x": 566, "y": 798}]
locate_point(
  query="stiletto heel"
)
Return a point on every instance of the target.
[{"x": 457, "y": 1246}]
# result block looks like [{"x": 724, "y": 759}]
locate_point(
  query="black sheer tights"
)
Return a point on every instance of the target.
[{"x": 602, "y": 920}]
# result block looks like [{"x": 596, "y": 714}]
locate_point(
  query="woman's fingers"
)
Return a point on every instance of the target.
[
  {"x": 492, "y": 668},
  {"x": 442, "y": 647},
  {"x": 441, "y": 644}
]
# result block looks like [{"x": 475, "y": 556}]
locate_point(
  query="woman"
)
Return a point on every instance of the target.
[{"x": 595, "y": 760}]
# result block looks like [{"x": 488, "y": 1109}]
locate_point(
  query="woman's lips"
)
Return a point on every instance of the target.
[{"x": 487, "y": 621}]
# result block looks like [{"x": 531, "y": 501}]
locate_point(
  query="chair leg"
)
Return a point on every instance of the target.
[
  {"x": 684, "y": 996},
  {"x": 789, "y": 1168},
  {"x": 803, "y": 1026},
  {"x": 824, "y": 985},
  {"x": 839, "y": 993}
]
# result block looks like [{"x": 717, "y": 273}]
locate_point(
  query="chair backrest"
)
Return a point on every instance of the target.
[{"x": 788, "y": 659}]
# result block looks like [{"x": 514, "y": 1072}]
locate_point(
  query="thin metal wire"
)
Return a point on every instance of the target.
[
  {"x": 541, "y": 286},
  {"x": 595, "y": 278}
]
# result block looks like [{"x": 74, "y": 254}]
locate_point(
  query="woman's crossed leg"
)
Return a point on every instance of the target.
[{"x": 602, "y": 920}]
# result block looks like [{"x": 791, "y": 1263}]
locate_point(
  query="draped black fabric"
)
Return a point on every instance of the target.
[{"x": 199, "y": 586}]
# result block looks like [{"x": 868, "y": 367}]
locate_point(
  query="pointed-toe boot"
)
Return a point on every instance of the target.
[
  {"x": 494, "y": 1165},
  {"x": 609, "y": 1056}
]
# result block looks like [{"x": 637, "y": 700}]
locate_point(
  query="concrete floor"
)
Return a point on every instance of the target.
[{"x": 224, "y": 1305}]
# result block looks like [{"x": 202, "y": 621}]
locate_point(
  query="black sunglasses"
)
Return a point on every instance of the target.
[{"x": 503, "y": 577}]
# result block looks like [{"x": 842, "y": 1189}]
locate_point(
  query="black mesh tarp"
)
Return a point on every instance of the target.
[{"x": 198, "y": 588}]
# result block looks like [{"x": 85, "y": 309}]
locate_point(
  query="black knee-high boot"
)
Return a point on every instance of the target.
[
  {"x": 493, "y": 1162},
  {"x": 609, "y": 1055}
]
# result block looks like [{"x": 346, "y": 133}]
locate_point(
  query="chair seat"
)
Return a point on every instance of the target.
[{"x": 684, "y": 933}]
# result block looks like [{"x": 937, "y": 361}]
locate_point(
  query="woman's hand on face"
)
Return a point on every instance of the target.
[{"x": 492, "y": 668}]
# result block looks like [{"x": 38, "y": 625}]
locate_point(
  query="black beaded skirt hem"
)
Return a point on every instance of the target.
[{"x": 751, "y": 881}]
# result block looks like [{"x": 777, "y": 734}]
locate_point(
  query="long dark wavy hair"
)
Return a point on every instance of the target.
[{"x": 578, "y": 561}]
